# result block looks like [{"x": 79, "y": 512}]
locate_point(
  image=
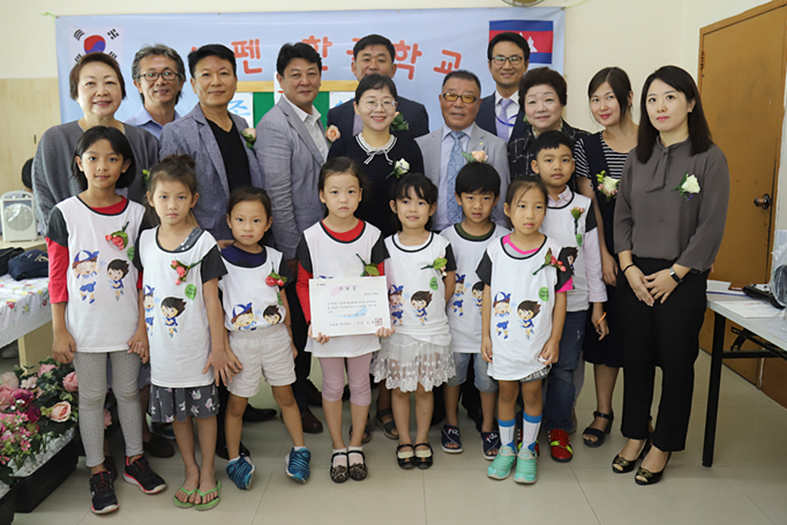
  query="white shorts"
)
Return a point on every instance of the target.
[{"x": 266, "y": 353}]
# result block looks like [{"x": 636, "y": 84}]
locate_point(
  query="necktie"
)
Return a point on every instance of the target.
[
  {"x": 455, "y": 163},
  {"x": 503, "y": 128}
]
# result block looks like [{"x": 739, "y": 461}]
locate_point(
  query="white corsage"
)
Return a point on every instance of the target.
[{"x": 689, "y": 186}]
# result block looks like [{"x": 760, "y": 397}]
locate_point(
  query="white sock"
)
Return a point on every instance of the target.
[
  {"x": 234, "y": 459},
  {"x": 530, "y": 427},
  {"x": 298, "y": 448},
  {"x": 507, "y": 431}
]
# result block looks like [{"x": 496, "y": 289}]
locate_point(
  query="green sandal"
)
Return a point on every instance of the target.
[
  {"x": 212, "y": 503},
  {"x": 184, "y": 504}
]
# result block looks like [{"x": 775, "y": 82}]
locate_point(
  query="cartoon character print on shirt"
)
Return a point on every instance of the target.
[
  {"x": 243, "y": 317},
  {"x": 171, "y": 308},
  {"x": 459, "y": 293},
  {"x": 117, "y": 270},
  {"x": 272, "y": 315},
  {"x": 148, "y": 302},
  {"x": 420, "y": 301},
  {"x": 571, "y": 256},
  {"x": 501, "y": 307},
  {"x": 478, "y": 294},
  {"x": 85, "y": 266},
  {"x": 395, "y": 302},
  {"x": 527, "y": 310}
]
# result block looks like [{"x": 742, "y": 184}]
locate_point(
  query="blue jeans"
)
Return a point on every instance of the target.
[{"x": 560, "y": 390}]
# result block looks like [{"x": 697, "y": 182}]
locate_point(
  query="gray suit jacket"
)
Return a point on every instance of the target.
[
  {"x": 192, "y": 135},
  {"x": 495, "y": 148},
  {"x": 291, "y": 164}
]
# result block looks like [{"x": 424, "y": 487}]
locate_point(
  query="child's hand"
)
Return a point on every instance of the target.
[
  {"x": 599, "y": 320},
  {"x": 218, "y": 360},
  {"x": 384, "y": 332},
  {"x": 550, "y": 353},
  {"x": 322, "y": 339},
  {"x": 63, "y": 347},
  {"x": 138, "y": 344},
  {"x": 226, "y": 243},
  {"x": 609, "y": 268},
  {"x": 233, "y": 363},
  {"x": 486, "y": 349}
]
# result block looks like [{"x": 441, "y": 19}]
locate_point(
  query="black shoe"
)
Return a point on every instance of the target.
[
  {"x": 258, "y": 415},
  {"x": 621, "y": 465},
  {"x": 646, "y": 477},
  {"x": 158, "y": 447},
  {"x": 221, "y": 448},
  {"x": 313, "y": 395},
  {"x": 310, "y": 423},
  {"x": 102, "y": 493},
  {"x": 140, "y": 474}
]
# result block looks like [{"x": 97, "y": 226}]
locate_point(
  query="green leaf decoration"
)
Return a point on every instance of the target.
[
  {"x": 130, "y": 252},
  {"x": 191, "y": 291},
  {"x": 433, "y": 283}
]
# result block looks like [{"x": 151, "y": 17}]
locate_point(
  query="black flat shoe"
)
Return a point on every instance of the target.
[
  {"x": 621, "y": 465},
  {"x": 598, "y": 434},
  {"x": 424, "y": 458},
  {"x": 648, "y": 477},
  {"x": 341, "y": 473},
  {"x": 405, "y": 458}
]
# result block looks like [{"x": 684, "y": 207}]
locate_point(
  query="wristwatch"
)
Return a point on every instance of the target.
[{"x": 674, "y": 276}]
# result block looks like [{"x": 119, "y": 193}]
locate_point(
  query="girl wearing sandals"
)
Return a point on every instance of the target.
[
  {"x": 417, "y": 357},
  {"x": 341, "y": 246}
]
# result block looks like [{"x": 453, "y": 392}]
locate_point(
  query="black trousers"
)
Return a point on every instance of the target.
[
  {"x": 303, "y": 362},
  {"x": 664, "y": 334}
]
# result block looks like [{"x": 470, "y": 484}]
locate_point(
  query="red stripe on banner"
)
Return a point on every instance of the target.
[{"x": 540, "y": 40}]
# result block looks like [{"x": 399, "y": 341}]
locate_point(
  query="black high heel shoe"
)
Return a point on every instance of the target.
[
  {"x": 621, "y": 465},
  {"x": 649, "y": 478}
]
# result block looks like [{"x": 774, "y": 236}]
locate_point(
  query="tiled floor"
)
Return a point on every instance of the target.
[{"x": 747, "y": 484}]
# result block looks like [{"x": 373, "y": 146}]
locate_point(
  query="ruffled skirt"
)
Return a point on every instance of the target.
[{"x": 404, "y": 361}]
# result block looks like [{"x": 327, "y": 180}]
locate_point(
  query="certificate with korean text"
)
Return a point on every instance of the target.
[{"x": 349, "y": 306}]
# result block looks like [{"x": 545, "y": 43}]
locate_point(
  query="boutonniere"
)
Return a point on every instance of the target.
[
  {"x": 475, "y": 156},
  {"x": 399, "y": 123},
  {"x": 182, "y": 269},
  {"x": 551, "y": 260},
  {"x": 369, "y": 270},
  {"x": 332, "y": 134},
  {"x": 250, "y": 136},
  {"x": 607, "y": 185},
  {"x": 439, "y": 265},
  {"x": 274, "y": 279},
  {"x": 689, "y": 186},
  {"x": 119, "y": 238},
  {"x": 146, "y": 176},
  {"x": 401, "y": 167},
  {"x": 577, "y": 213}
]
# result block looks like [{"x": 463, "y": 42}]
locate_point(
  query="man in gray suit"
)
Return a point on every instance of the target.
[
  {"x": 291, "y": 148},
  {"x": 459, "y": 102}
]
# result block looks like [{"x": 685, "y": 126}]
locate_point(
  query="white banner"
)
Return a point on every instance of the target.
[{"x": 429, "y": 43}]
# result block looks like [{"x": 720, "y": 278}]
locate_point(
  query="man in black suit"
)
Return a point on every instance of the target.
[
  {"x": 375, "y": 54},
  {"x": 500, "y": 113}
]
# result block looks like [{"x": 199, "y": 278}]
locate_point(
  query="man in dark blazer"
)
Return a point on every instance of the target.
[
  {"x": 291, "y": 148},
  {"x": 500, "y": 113},
  {"x": 375, "y": 54}
]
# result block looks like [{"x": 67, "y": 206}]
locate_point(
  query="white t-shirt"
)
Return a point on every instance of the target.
[
  {"x": 416, "y": 292},
  {"x": 102, "y": 313},
  {"x": 464, "y": 308},
  {"x": 523, "y": 298},
  {"x": 178, "y": 330},
  {"x": 326, "y": 257}
]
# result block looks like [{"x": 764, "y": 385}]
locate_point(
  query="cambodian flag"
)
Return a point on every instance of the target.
[{"x": 538, "y": 33}]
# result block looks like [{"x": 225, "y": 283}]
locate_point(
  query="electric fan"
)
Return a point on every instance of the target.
[{"x": 19, "y": 218}]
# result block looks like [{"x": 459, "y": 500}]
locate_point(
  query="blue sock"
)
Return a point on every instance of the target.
[
  {"x": 530, "y": 427},
  {"x": 507, "y": 431}
]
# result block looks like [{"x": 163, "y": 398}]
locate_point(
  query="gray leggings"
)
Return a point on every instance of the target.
[{"x": 91, "y": 371}]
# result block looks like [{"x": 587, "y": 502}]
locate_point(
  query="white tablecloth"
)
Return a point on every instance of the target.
[{"x": 24, "y": 306}]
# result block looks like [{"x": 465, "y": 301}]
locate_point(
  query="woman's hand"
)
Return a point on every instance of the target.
[
  {"x": 138, "y": 344},
  {"x": 322, "y": 339},
  {"x": 609, "y": 268},
  {"x": 486, "y": 349},
  {"x": 63, "y": 347},
  {"x": 660, "y": 284},
  {"x": 638, "y": 283},
  {"x": 549, "y": 355}
]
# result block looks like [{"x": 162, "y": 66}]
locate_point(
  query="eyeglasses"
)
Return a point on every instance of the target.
[
  {"x": 387, "y": 105},
  {"x": 452, "y": 97},
  {"x": 152, "y": 76},
  {"x": 513, "y": 60}
]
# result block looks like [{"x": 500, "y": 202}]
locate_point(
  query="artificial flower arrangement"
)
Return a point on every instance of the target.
[
  {"x": 332, "y": 134},
  {"x": 607, "y": 185},
  {"x": 689, "y": 186},
  {"x": 250, "y": 136},
  {"x": 36, "y": 407}
]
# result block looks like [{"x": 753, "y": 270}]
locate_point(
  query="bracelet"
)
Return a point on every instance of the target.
[{"x": 627, "y": 267}]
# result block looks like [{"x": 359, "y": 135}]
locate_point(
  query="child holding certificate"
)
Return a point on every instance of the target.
[
  {"x": 257, "y": 317},
  {"x": 420, "y": 268},
  {"x": 342, "y": 246}
]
